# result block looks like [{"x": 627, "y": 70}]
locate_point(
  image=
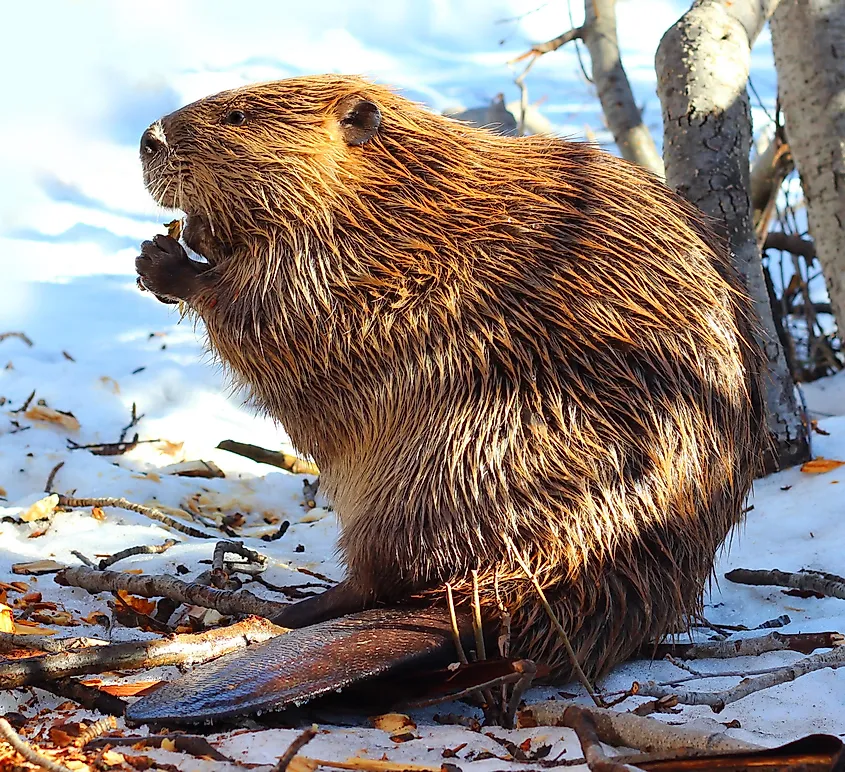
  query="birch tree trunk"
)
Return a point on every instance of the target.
[
  {"x": 809, "y": 42},
  {"x": 624, "y": 118},
  {"x": 702, "y": 70}
]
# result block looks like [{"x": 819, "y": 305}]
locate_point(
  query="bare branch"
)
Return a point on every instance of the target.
[
  {"x": 550, "y": 45},
  {"x": 808, "y": 580},
  {"x": 30, "y": 754}
]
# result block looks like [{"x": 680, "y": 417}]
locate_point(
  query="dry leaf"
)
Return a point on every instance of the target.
[
  {"x": 302, "y": 764},
  {"x": 97, "y": 513},
  {"x": 44, "y": 413},
  {"x": 168, "y": 745},
  {"x": 124, "y": 690},
  {"x": 110, "y": 383},
  {"x": 96, "y": 618},
  {"x": 112, "y": 758},
  {"x": 38, "y": 567},
  {"x": 821, "y": 465},
  {"x": 392, "y": 722},
  {"x": 140, "y": 605},
  {"x": 25, "y": 627},
  {"x": 199, "y": 468},
  {"x": 7, "y": 621},
  {"x": 170, "y": 448},
  {"x": 61, "y": 618},
  {"x": 41, "y": 509},
  {"x": 174, "y": 229},
  {"x": 3, "y": 492},
  {"x": 314, "y": 516}
]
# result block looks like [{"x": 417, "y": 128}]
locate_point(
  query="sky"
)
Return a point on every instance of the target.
[{"x": 84, "y": 78}]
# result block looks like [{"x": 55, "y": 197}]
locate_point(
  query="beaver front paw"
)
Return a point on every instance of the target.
[{"x": 165, "y": 269}]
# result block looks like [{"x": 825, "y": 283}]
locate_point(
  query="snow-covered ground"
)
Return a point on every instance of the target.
[{"x": 73, "y": 213}]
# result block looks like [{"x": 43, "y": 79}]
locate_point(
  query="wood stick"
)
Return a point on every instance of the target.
[
  {"x": 632, "y": 731},
  {"x": 297, "y": 745},
  {"x": 88, "y": 697},
  {"x": 161, "y": 586},
  {"x": 151, "y": 512},
  {"x": 718, "y": 700},
  {"x": 173, "y": 650},
  {"x": 806, "y": 580},
  {"x": 12, "y": 642},
  {"x": 184, "y": 743},
  {"x": 805, "y": 643},
  {"x": 143, "y": 549},
  {"x": 29, "y": 753},
  {"x": 286, "y": 461},
  {"x": 585, "y": 728}
]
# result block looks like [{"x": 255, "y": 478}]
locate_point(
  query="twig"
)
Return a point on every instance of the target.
[
  {"x": 286, "y": 461},
  {"x": 528, "y": 670},
  {"x": 48, "y": 488},
  {"x": 809, "y": 580},
  {"x": 25, "y": 404},
  {"x": 110, "y": 448},
  {"x": 297, "y": 745},
  {"x": 133, "y": 422},
  {"x": 183, "y": 743},
  {"x": 576, "y": 667},
  {"x": 31, "y": 755},
  {"x": 143, "y": 549},
  {"x": 161, "y": 586},
  {"x": 152, "y": 513},
  {"x": 173, "y": 650},
  {"x": 805, "y": 643},
  {"x": 97, "y": 729},
  {"x": 453, "y": 618},
  {"x": 283, "y": 529},
  {"x": 539, "y": 49},
  {"x": 83, "y": 559},
  {"x": 223, "y": 548},
  {"x": 22, "y": 336},
  {"x": 632, "y": 731},
  {"x": 718, "y": 700},
  {"x": 480, "y": 651},
  {"x": 585, "y": 728}
]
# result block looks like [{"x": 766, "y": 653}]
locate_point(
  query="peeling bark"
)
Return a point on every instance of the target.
[
  {"x": 702, "y": 69},
  {"x": 808, "y": 37}
]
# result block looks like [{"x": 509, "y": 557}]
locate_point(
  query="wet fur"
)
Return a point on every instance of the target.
[{"x": 476, "y": 336}]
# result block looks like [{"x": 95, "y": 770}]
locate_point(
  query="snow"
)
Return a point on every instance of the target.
[{"x": 72, "y": 212}]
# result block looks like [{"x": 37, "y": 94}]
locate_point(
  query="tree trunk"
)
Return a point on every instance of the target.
[
  {"x": 624, "y": 118},
  {"x": 809, "y": 43},
  {"x": 702, "y": 70}
]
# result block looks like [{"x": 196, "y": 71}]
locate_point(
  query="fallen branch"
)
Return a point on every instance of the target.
[
  {"x": 585, "y": 729},
  {"x": 286, "y": 461},
  {"x": 151, "y": 512},
  {"x": 805, "y": 643},
  {"x": 143, "y": 549},
  {"x": 12, "y": 642},
  {"x": 632, "y": 731},
  {"x": 183, "y": 743},
  {"x": 29, "y": 753},
  {"x": 812, "y": 581},
  {"x": 238, "y": 602},
  {"x": 718, "y": 700},
  {"x": 173, "y": 650},
  {"x": 88, "y": 697}
]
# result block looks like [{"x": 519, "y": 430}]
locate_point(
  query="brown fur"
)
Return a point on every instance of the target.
[{"x": 476, "y": 336}]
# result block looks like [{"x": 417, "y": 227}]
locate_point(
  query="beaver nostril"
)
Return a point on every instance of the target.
[{"x": 150, "y": 143}]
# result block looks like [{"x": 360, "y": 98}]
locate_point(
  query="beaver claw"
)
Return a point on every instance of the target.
[{"x": 165, "y": 269}]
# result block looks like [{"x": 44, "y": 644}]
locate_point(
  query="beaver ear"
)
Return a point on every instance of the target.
[{"x": 359, "y": 120}]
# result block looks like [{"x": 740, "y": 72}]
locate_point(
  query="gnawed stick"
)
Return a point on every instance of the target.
[
  {"x": 805, "y": 643},
  {"x": 151, "y": 512},
  {"x": 161, "y": 586},
  {"x": 286, "y": 461},
  {"x": 88, "y": 697},
  {"x": 142, "y": 549},
  {"x": 295, "y": 747},
  {"x": 632, "y": 731},
  {"x": 24, "y": 749},
  {"x": 718, "y": 700},
  {"x": 812, "y": 581},
  {"x": 173, "y": 650}
]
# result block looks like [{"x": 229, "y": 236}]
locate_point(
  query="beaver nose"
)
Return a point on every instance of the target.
[{"x": 151, "y": 141}]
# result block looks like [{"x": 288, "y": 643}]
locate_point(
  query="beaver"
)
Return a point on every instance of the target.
[{"x": 495, "y": 349}]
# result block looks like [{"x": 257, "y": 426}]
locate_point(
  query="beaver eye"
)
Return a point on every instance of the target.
[{"x": 235, "y": 118}]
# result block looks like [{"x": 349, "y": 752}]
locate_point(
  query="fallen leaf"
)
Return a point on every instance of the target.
[
  {"x": 96, "y": 618},
  {"x": 124, "y": 690},
  {"x": 821, "y": 465},
  {"x": 37, "y": 567},
  {"x": 44, "y": 413},
  {"x": 7, "y": 621},
  {"x": 97, "y": 513},
  {"x": 140, "y": 605},
  {"x": 392, "y": 722},
  {"x": 170, "y": 448},
  {"x": 3, "y": 492},
  {"x": 41, "y": 509},
  {"x": 61, "y": 618},
  {"x": 25, "y": 627}
]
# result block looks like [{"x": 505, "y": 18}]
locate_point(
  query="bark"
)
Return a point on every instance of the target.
[
  {"x": 624, "y": 118},
  {"x": 808, "y": 37},
  {"x": 702, "y": 70}
]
